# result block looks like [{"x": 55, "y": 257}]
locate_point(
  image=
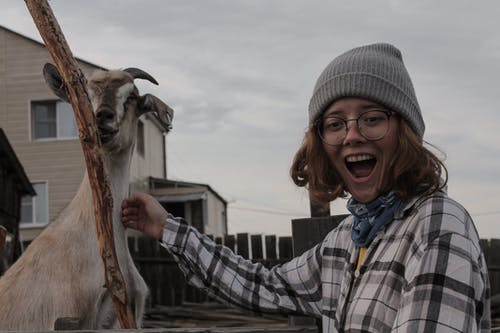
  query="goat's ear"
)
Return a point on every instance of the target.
[
  {"x": 55, "y": 81},
  {"x": 151, "y": 103}
]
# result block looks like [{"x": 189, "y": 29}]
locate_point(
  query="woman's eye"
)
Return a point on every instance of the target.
[
  {"x": 333, "y": 124},
  {"x": 372, "y": 120}
]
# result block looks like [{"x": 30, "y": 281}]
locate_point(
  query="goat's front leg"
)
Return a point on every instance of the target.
[
  {"x": 140, "y": 295},
  {"x": 105, "y": 312}
]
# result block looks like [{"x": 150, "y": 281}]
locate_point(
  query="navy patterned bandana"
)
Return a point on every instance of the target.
[{"x": 369, "y": 218}]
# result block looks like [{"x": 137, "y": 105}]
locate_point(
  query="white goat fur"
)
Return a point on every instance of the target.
[{"x": 61, "y": 273}]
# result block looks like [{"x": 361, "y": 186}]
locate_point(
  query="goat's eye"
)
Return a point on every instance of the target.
[{"x": 130, "y": 99}]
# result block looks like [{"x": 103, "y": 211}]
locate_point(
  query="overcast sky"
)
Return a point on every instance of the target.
[{"x": 239, "y": 75}]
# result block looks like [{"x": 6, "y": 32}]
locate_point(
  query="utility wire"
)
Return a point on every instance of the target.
[
  {"x": 487, "y": 213},
  {"x": 267, "y": 211}
]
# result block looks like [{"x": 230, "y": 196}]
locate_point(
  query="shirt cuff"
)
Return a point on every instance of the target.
[{"x": 175, "y": 233}]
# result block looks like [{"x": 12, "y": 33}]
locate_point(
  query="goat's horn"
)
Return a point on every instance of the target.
[{"x": 140, "y": 74}]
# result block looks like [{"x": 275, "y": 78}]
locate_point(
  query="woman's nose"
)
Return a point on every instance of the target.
[{"x": 353, "y": 135}]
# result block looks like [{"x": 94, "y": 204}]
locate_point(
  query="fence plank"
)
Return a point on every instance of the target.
[
  {"x": 493, "y": 263},
  {"x": 285, "y": 247},
  {"x": 271, "y": 247},
  {"x": 256, "y": 242},
  {"x": 230, "y": 242},
  {"x": 242, "y": 245},
  {"x": 485, "y": 247},
  {"x": 308, "y": 232}
]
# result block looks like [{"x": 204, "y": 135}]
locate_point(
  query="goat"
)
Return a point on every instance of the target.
[{"x": 61, "y": 274}]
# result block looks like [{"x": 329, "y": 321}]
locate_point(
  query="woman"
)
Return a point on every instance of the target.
[{"x": 406, "y": 260}]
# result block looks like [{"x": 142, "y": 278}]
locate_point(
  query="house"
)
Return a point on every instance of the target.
[
  {"x": 197, "y": 203},
  {"x": 14, "y": 184},
  {"x": 43, "y": 132}
]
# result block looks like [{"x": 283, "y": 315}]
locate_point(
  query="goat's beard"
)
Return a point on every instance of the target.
[
  {"x": 107, "y": 134},
  {"x": 106, "y": 138}
]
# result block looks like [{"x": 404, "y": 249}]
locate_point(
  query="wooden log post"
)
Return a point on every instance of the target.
[
  {"x": 319, "y": 209},
  {"x": 76, "y": 86}
]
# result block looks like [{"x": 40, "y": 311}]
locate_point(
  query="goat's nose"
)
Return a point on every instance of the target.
[{"x": 105, "y": 116}]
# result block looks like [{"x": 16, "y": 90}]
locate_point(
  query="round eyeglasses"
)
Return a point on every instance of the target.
[{"x": 373, "y": 125}]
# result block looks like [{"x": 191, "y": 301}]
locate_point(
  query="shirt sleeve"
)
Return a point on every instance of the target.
[
  {"x": 293, "y": 287},
  {"x": 447, "y": 288}
]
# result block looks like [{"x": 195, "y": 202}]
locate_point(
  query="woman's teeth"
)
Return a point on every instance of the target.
[{"x": 359, "y": 158}]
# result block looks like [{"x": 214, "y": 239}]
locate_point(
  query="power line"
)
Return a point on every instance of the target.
[
  {"x": 267, "y": 211},
  {"x": 487, "y": 213}
]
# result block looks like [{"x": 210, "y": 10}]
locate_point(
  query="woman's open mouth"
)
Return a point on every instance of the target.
[{"x": 360, "y": 166}]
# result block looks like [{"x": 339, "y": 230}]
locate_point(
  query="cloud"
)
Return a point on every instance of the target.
[{"x": 240, "y": 73}]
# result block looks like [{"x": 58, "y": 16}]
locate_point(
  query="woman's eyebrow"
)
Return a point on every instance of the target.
[
  {"x": 372, "y": 106},
  {"x": 334, "y": 112}
]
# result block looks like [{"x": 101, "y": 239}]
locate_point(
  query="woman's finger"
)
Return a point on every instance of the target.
[{"x": 130, "y": 211}]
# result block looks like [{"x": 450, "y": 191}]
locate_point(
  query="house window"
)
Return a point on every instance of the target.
[
  {"x": 140, "y": 138},
  {"x": 52, "y": 120},
  {"x": 35, "y": 210}
]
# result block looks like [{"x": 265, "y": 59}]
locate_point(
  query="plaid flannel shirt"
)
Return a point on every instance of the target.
[{"x": 424, "y": 272}]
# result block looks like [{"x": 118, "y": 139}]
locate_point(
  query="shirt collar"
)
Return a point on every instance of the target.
[{"x": 413, "y": 202}]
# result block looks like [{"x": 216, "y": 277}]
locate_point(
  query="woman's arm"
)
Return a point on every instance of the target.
[{"x": 294, "y": 287}]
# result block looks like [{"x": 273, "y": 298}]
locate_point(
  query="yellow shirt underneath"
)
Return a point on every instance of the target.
[{"x": 361, "y": 256}]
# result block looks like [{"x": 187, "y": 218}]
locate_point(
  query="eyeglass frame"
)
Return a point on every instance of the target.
[{"x": 319, "y": 122}]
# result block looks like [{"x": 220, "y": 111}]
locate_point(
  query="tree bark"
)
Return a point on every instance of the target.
[{"x": 76, "y": 86}]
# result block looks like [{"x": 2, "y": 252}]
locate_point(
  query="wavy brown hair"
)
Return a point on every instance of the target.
[{"x": 414, "y": 169}]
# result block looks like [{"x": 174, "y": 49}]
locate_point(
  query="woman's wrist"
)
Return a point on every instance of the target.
[{"x": 161, "y": 225}]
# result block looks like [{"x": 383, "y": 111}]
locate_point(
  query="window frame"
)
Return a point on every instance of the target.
[
  {"x": 31, "y": 119},
  {"x": 26, "y": 225}
]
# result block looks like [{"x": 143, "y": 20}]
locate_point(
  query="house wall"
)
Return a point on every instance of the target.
[
  {"x": 216, "y": 214},
  {"x": 152, "y": 163},
  {"x": 58, "y": 162}
]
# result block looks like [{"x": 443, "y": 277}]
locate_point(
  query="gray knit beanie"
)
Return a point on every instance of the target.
[{"x": 375, "y": 72}]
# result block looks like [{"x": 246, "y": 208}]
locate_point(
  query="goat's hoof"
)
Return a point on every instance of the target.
[{"x": 67, "y": 324}]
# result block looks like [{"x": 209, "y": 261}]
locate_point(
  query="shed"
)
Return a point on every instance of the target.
[
  {"x": 14, "y": 184},
  {"x": 199, "y": 204}
]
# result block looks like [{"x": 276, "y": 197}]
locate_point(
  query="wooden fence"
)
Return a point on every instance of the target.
[
  {"x": 168, "y": 286},
  {"x": 167, "y": 283},
  {"x": 491, "y": 250}
]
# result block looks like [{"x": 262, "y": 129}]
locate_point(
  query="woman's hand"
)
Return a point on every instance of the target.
[{"x": 144, "y": 213}]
